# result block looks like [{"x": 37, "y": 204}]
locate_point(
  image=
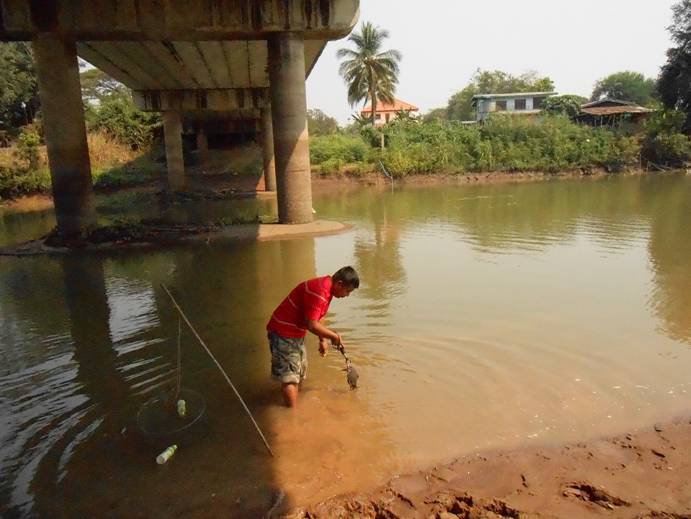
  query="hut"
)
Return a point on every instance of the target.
[{"x": 611, "y": 112}]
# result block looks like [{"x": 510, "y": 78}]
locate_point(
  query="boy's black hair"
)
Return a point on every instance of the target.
[{"x": 347, "y": 276}]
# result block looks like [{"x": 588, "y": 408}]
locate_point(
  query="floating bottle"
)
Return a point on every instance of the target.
[
  {"x": 182, "y": 408},
  {"x": 166, "y": 454}
]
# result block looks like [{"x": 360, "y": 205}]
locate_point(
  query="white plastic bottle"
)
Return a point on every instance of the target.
[{"x": 166, "y": 454}]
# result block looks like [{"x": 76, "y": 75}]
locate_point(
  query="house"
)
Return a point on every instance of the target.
[
  {"x": 519, "y": 103},
  {"x": 609, "y": 111},
  {"x": 387, "y": 112}
]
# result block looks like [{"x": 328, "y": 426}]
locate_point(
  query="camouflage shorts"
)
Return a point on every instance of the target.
[{"x": 288, "y": 359}]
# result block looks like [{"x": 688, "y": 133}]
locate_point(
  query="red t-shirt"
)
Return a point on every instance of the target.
[{"x": 309, "y": 300}]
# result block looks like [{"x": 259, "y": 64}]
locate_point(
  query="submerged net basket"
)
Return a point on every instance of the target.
[{"x": 158, "y": 417}]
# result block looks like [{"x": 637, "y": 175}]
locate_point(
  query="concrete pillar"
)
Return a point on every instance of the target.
[
  {"x": 268, "y": 149},
  {"x": 202, "y": 145},
  {"x": 289, "y": 117},
  {"x": 65, "y": 132},
  {"x": 172, "y": 130}
]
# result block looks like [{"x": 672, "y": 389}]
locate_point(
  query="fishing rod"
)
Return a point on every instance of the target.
[{"x": 249, "y": 413}]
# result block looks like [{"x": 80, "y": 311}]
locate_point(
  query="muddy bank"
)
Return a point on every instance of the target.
[
  {"x": 377, "y": 178},
  {"x": 122, "y": 237},
  {"x": 642, "y": 474}
]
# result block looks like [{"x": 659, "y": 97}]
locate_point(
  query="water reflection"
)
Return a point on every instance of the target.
[{"x": 670, "y": 250}]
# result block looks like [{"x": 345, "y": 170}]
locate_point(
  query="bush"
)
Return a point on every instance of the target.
[
  {"x": 346, "y": 148},
  {"x": 27, "y": 150},
  {"x": 17, "y": 182},
  {"x": 122, "y": 120},
  {"x": 670, "y": 150}
]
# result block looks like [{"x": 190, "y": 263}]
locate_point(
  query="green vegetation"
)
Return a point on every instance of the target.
[
  {"x": 508, "y": 144},
  {"x": 318, "y": 123},
  {"x": 675, "y": 77},
  {"x": 568, "y": 105},
  {"x": 370, "y": 72},
  {"x": 120, "y": 136},
  {"x": 627, "y": 86},
  {"x": 24, "y": 168},
  {"x": 18, "y": 86}
]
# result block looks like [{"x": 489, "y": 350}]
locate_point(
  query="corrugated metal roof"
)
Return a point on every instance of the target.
[
  {"x": 608, "y": 101},
  {"x": 513, "y": 94},
  {"x": 616, "y": 110}
]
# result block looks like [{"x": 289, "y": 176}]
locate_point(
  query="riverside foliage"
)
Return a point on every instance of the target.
[{"x": 504, "y": 144}]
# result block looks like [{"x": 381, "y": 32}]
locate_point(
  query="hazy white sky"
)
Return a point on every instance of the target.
[{"x": 575, "y": 42}]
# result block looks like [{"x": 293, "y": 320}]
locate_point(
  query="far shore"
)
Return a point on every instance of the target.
[
  {"x": 642, "y": 474},
  {"x": 244, "y": 186}
]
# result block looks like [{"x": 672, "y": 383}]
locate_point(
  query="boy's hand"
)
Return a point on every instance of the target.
[{"x": 323, "y": 347}]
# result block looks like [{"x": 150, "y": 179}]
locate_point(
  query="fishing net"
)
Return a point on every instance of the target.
[{"x": 159, "y": 416}]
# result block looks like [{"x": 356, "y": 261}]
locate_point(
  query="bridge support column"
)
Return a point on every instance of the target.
[
  {"x": 268, "y": 149},
  {"x": 172, "y": 130},
  {"x": 289, "y": 117},
  {"x": 202, "y": 145},
  {"x": 65, "y": 133}
]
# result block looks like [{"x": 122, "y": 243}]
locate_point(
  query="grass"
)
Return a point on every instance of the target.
[{"x": 113, "y": 165}]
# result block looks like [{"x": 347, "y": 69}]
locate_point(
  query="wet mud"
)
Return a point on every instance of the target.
[{"x": 641, "y": 475}]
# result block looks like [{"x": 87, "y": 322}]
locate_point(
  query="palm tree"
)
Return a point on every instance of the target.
[{"x": 369, "y": 72}]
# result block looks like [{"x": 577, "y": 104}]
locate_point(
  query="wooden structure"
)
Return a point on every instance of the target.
[{"x": 611, "y": 112}]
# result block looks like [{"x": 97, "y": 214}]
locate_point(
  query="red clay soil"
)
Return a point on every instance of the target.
[{"x": 642, "y": 475}]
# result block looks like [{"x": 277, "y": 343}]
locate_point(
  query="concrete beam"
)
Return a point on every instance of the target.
[
  {"x": 65, "y": 133},
  {"x": 168, "y": 20},
  {"x": 248, "y": 100}
]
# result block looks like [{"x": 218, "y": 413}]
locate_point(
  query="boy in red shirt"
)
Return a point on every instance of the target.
[{"x": 301, "y": 311}]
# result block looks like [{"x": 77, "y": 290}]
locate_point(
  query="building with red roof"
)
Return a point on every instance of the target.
[{"x": 387, "y": 112}]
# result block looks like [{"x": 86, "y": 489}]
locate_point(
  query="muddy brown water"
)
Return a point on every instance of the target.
[{"x": 488, "y": 317}]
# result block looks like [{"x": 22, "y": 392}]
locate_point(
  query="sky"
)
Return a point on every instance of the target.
[{"x": 443, "y": 42}]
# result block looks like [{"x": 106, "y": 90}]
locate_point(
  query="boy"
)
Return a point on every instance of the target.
[{"x": 301, "y": 311}]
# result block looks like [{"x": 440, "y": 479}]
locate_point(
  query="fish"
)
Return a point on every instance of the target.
[{"x": 351, "y": 376}]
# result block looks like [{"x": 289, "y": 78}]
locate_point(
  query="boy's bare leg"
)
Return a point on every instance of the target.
[{"x": 290, "y": 394}]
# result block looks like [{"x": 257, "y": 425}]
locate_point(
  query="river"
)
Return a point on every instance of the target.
[{"x": 489, "y": 317}]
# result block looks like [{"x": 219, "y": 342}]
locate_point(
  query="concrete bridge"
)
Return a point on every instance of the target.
[{"x": 245, "y": 59}]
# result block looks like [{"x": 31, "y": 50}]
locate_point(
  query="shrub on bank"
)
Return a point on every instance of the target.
[
  {"x": 124, "y": 122},
  {"x": 112, "y": 164},
  {"x": 550, "y": 143},
  {"x": 346, "y": 148}
]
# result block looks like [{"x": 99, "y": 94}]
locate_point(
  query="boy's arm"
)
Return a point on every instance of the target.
[{"x": 323, "y": 332}]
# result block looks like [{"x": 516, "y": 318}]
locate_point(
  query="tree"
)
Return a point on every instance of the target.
[
  {"x": 370, "y": 72},
  {"x": 97, "y": 86},
  {"x": 18, "y": 87},
  {"x": 569, "y": 105},
  {"x": 493, "y": 82},
  {"x": 627, "y": 86},
  {"x": 436, "y": 114},
  {"x": 675, "y": 76},
  {"x": 319, "y": 123}
]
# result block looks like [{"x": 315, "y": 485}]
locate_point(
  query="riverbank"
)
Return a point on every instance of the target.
[
  {"x": 642, "y": 474},
  {"x": 248, "y": 186}
]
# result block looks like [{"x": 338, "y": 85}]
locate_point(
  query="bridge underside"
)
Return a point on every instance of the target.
[{"x": 240, "y": 59}]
